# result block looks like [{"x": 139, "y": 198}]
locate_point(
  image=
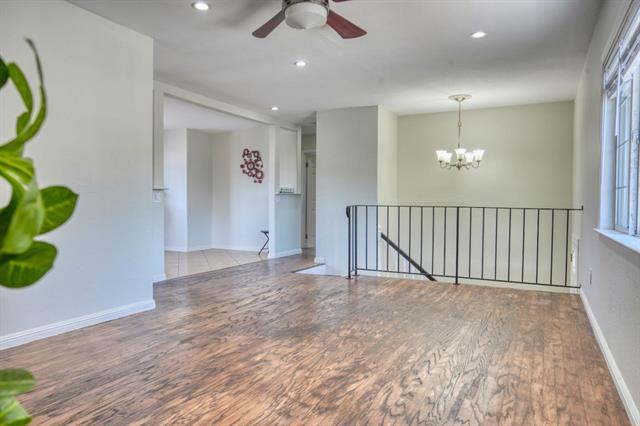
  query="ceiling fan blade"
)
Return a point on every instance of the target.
[
  {"x": 271, "y": 25},
  {"x": 344, "y": 27}
]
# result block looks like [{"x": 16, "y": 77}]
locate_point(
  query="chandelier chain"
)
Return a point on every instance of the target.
[{"x": 459, "y": 122}]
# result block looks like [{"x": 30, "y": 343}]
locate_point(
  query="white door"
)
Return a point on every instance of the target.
[{"x": 310, "y": 200}]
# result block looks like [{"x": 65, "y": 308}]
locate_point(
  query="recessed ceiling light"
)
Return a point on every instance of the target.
[
  {"x": 275, "y": 108},
  {"x": 479, "y": 34},
  {"x": 300, "y": 63},
  {"x": 201, "y": 6}
]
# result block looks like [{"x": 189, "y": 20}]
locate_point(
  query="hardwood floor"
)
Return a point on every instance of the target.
[{"x": 256, "y": 344}]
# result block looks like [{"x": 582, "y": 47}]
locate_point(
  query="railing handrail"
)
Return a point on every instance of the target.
[{"x": 469, "y": 207}]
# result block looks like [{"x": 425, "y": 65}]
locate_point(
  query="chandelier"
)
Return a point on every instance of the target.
[{"x": 464, "y": 159}]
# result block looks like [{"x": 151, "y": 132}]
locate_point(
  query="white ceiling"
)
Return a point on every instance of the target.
[
  {"x": 179, "y": 114},
  {"x": 417, "y": 52}
]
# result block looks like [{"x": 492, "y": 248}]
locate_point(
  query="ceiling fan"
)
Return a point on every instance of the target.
[{"x": 307, "y": 14}]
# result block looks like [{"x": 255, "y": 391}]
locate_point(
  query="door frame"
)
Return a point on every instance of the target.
[
  {"x": 160, "y": 90},
  {"x": 304, "y": 234}
]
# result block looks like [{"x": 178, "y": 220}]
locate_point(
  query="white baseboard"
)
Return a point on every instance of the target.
[
  {"x": 26, "y": 336},
  {"x": 285, "y": 253},
  {"x": 623, "y": 390},
  {"x": 219, "y": 247},
  {"x": 239, "y": 248},
  {"x": 159, "y": 277},
  {"x": 198, "y": 248},
  {"x": 319, "y": 260},
  {"x": 175, "y": 248}
]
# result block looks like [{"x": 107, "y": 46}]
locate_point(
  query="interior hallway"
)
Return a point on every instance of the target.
[{"x": 180, "y": 264}]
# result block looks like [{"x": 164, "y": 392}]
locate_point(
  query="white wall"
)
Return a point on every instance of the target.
[
  {"x": 308, "y": 142},
  {"x": 158, "y": 186},
  {"x": 347, "y": 162},
  {"x": 288, "y": 159},
  {"x": 614, "y": 294},
  {"x": 288, "y": 224},
  {"x": 199, "y": 190},
  {"x": 528, "y": 158},
  {"x": 97, "y": 140},
  {"x": 210, "y": 202},
  {"x": 387, "y": 157},
  {"x": 240, "y": 206},
  {"x": 175, "y": 201},
  {"x": 528, "y": 163}
]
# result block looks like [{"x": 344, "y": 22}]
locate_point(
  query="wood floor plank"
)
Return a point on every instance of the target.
[{"x": 256, "y": 344}]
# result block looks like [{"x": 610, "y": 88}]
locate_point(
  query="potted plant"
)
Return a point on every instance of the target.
[{"x": 30, "y": 213}]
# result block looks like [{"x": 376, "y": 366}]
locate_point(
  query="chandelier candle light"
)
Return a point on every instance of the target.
[{"x": 464, "y": 159}]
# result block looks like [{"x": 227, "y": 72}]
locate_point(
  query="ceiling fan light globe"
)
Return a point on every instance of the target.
[{"x": 306, "y": 15}]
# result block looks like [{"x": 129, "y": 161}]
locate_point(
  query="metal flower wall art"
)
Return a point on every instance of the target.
[{"x": 252, "y": 165}]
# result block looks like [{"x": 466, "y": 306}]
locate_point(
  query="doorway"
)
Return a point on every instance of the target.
[
  {"x": 232, "y": 220},
  {"x": 214, "y": 212}
]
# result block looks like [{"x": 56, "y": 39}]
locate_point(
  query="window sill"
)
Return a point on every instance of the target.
[{"x": 628, "y": 241}]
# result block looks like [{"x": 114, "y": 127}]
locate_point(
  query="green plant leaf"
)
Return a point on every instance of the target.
[
  {"x": 12, "y": 413},
  {"x": 26, "y": 211},
  {"x": 15, "y": 382},
  {"x": 17, "y": 171},
  {"x": 22, "y": 122},
  {"x": 59, "y": 203},
  {"x": 4, "y": 73},
  {"x": 26, "y": 222},
  {"x": 30, "y": 130},
  {"x": 25, "y": 269},
  {"x": 22, "y": 85}
]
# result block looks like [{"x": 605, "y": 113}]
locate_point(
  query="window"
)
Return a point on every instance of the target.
[
  {"x": 623, "y": 143},
  {"x": 620, "y": 200}
]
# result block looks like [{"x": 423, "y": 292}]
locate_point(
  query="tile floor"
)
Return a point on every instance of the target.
[{"x": 178, "y": 264}]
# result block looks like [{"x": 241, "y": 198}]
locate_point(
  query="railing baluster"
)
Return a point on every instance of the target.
[
  {"x": 509, "y": 248},
  {"x": 387, "y": 266},
  {"x": 349, "y": 242},
  {"x": 566, "y": 251},
  {"x": 537, "y": 241},
  {"x": 410, "y": 238},
  {"x": 470, "y": 232},
  {"x": 355, "y": 257},
  {"x": 553, "y": 216},
  {"x": 457, "y": 241},
  {"x": 482, "y": 252},
  {"x": 421, "y": 234},
  {"x": 524, "y": 224},
  {"x": 399, "y": 246},
  {"x": 495, "y": 255},
  {"x": 444, "y": 250},
  {"x": 377, "y": 236},
  {"x": 433, "y": 236},
  {"x": 366, "y": 237}
]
